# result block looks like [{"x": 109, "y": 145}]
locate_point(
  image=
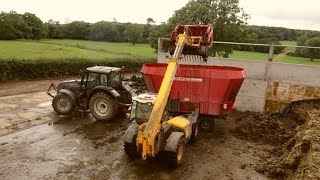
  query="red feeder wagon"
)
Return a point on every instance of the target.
[{"x": 212, "y": 89}]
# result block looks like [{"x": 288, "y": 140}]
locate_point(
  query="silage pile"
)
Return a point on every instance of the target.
[{"x": 295, "y": 141}]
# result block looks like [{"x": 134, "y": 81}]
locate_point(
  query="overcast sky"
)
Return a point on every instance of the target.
[{"x": 285, "y": 13}]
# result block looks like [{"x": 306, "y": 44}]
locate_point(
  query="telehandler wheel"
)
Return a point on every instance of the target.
[
  {"x": 131, "y": 150},
  {"x": 175, "y": 158},
  {"x": 103, "y": 107},
  {"x": 207, "y": 124},
  {"x": 195, "y": 131},
  {"x": 63, "y": 104}
]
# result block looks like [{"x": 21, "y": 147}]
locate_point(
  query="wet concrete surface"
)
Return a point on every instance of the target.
[
  {"x": 24, "y": 110},
  {"x": 35, "y": 143},
  {"x": 82, "y": 148}
]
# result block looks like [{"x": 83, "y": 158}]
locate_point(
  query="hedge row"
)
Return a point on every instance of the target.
[{"x": 12, "y": 69}]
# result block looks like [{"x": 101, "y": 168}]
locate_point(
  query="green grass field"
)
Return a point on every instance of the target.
[
  {"x": 62, "y": 49},
  {"x": 81, "y": 49},
  {"x": 245, "y": 55},
  {"x": 33, "y": 50},
  {"x": 249, "y": 55},
  {"x": 139, "y": 50},
  {"x": 289, "y": 49}
]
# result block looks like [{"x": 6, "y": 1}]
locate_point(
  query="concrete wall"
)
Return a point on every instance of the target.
[{"x": 269, "y": 86}]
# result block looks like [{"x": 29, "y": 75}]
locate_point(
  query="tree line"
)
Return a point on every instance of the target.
[
  {"x": 227, "y": 18},
  {"x": 29, "y": 26}
]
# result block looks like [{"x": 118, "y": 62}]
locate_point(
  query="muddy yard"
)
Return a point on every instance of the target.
[{"x": 35, "y": 143}]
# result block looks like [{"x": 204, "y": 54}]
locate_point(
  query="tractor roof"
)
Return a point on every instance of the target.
[
  {"x": 145, "y": 98},
  {"x": 102, "y": 69}
]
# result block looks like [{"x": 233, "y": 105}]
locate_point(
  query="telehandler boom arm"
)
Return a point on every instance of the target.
[{"x": 188, "y": 39}]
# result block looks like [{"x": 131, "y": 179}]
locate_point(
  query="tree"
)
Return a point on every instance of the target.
[
  {"x": 225, "y": 15},
  {"x": 12, "y": 26},
  {"x": 35, "y": 29},
  {"x": 150, "y": 21},
  {"x": 134, "y": 33},
  {"x": 54, "y": 29},
  {"x": 104, "y": 31},
  {"x": 246, "y": 35},
  {"x": 310, "y": 52},
  {"x": 300, "y": 42},
  {"x": 147, "y": 28},
  {"x": 162, "y": 30},
  {"x": 77, "y": 30}
]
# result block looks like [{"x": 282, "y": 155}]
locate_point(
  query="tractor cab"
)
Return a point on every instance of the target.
[
  {"x": 101, "y": 76},
  {"x": 142, "y": 106}
]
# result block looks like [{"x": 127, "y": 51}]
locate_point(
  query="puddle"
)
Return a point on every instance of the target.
[{"x": 45, "y": 104}]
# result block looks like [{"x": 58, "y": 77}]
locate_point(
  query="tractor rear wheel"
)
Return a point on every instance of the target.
[
  {"x": 103, "y": 107},
  {"x": 175, "y": 158},
  {"x": 63, "y": 104}
]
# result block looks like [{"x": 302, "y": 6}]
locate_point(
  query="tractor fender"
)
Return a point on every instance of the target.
[
  {"x": 172, "y": 141},
  {"x": 129, "y": 135},
  {"x": 110, "y": 90},
  {"x": 69, "y": 93},
  {"x": 126, "y": 87}
]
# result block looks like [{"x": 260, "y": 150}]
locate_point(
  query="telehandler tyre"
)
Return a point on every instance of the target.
[
  {"x": 175, "y": 158},
  {"x": 103, "y": 107},
  {"x": 131, "y": 150},
  {"x": 63, "y": 104}
]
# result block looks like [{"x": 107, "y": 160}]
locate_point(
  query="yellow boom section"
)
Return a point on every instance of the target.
[
  {"x": 146, "y": 138},
  {"x": 164, "y": 91}
]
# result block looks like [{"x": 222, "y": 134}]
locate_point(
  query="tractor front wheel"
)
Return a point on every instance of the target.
[
  {"x": 103, "y": 107},
  {"x": 63, "y": 104}
]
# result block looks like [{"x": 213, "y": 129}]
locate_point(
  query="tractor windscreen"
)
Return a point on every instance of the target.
[{"x": 115, "y": 78}]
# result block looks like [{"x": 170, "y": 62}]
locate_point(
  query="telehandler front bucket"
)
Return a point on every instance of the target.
[{"x": 201, "y": 37}]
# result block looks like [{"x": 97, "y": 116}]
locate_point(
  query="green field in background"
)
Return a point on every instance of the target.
[
  {"x": 139, "y": 50},
  {"x": 62, "y": 49},
  {"x": 291, "y": 43},
  {"x": 93, "y": 50}
]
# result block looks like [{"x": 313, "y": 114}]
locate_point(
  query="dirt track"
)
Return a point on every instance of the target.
[{"x": 80, "y": 147}]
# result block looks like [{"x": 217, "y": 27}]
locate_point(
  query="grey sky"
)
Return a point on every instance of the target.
[{"x": 286, "y": 13}]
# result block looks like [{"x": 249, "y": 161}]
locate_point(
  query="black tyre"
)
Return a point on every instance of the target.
[
  {"x": 175, "y": 158},
  {"x": 195, "y": 131},
  {"x": 103, "y": 107},
  {"x": 131, "y": 150},
  {"x": 63, "y": 104},
  {"x": 207, "y": 124}
]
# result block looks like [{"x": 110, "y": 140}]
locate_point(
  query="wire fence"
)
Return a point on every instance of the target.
[{"x": 163, "y": 41}]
